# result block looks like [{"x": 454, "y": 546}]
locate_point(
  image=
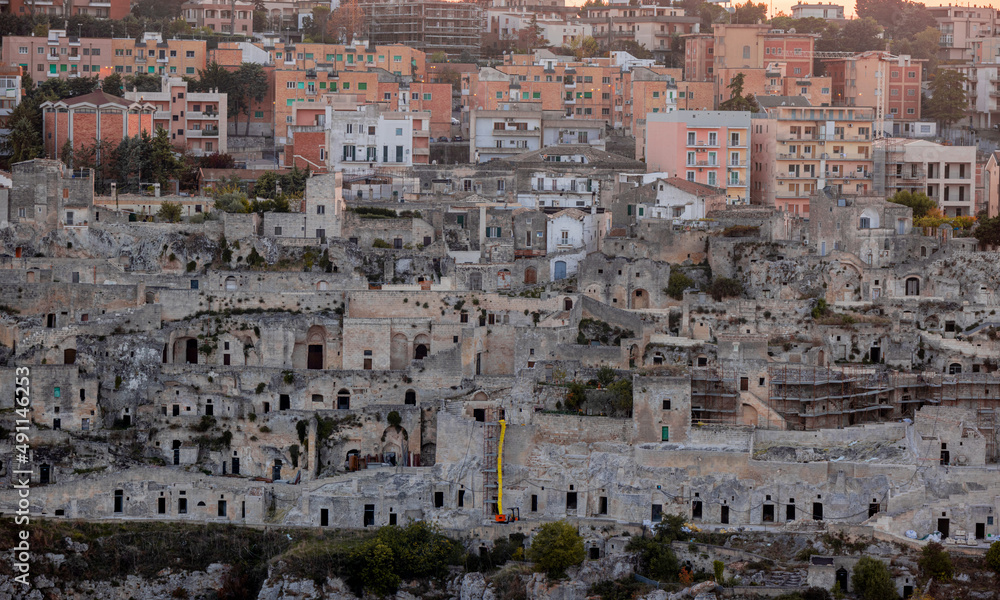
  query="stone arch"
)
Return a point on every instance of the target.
[
  {"x": 394, "y": 444},
  {"x": 480, "y": 396},
  {"x": 503, "y": 279},
  {"x": 421, "y": 346},
  {"x": 932, "y": 322},
  {"x": 912, "y": 286},
  {"x": 31, "y": 277},
  {"x": 322, "y": 286},
  {"x": 343, "y": 399},
  {"x": 316, "y": 347},
  {"x": 955, "y": 368},
  {"x": 530, "y": 276},
  {"x": 186, "y": 351},
  {"x": 749, "y": 415},
  {"x": 640, "y": 298},
  {"x": 870, "y": 218},
  {"x": 399, "y": 355},
  {"x": 150, "y": 297},
  {"x": 230, "y": 283}
]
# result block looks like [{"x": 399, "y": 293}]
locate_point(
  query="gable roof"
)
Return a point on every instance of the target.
[{"x": 691, "y": 187}]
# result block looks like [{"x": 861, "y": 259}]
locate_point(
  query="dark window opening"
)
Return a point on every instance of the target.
[
  {"x": 768, "y": 515},
  {"x": 369, "y": 515},
  {"x": 570, "y": 500},
  {"x": 438, "y": 499}
]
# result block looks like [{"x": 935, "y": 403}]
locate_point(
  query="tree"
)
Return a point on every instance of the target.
[
  {"x": 556, "y": 547},
  {"x": 711, "y": 14},
  {"x": 347, "y": 22},
  {"x": 750, "y": 13},
  {"x": 142, "y": 82},
  {"x": 724, "y": 287},
  {"x": 860, "y": 35},
  {"x": 923, "y": 45},
  {"x": 988, "y": 234},
  {"x": 170, "y": 212},
  {"x": 935, "y": 562},
  {"x": 872, "y": 580},
  {"x": 112, "y": 84},
  {"x": 251, "y": 87},
  {"x": 949, "y": 101},
  {"x": 677, "y": 284},
  {"x": 884, "y": 12},
  {"x": 161, "y": 163},
  {"x": 919, "y": 202},
  {"x": 993, "y": 554},
  {"x": 737, "y": 101}
]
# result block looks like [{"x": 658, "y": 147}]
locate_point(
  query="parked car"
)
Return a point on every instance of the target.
[
  {"x": 443, "y": 138},
  {"x": 457, "y": 138}
]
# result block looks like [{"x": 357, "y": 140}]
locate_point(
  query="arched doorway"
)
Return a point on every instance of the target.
[
  {"x": 559, "y": 270},
  {"x": 421, "y": 347},
  {"x": 69, "y": 356},
  {"x": 567, "y": 304},
  {"x": 343, "y": 399},
  {"x": 316, "y": 341},
  {"x": 322, "y": 286},
  {"x": 955, "y": 369},
  {"x": 394, "y": 442},
  {"x": 190, "y": 351},
  {"x": 912, "y": 286},
  {"x": 410, "y": 397},
  {"x": 640, "y": 299},
  {"x": 230, "y": 283},
  {"x": 530, "y": 276},
  {"x": 398, "y": 350}
]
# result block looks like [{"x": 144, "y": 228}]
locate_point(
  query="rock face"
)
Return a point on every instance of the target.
[{"x": 168, "y": 585}]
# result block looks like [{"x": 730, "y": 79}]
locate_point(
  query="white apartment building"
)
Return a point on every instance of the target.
[
  {"x": 372, "y": 137},
  {"x": 947, "y": 174}
]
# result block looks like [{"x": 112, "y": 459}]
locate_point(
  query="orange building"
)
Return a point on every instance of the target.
[
  {"x": 155, "y": 56},
  {"x": 95, "y": 116},
  {"x": 855, "y": 83}
]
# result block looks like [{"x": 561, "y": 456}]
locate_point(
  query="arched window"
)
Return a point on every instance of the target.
[
  {"x": 410, "y": 397},
  {"x": 230, "y": 283},
  {"x": 343, "y": 399},
  {"x": 954, "y": 369},
  {"x": 912, "y": 286}
]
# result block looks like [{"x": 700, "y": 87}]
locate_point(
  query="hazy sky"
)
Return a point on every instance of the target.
[{"x": 777, "y": 6}]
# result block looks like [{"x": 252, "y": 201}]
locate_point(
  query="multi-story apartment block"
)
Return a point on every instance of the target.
[
  {"x": 766, "y": 58},
  {"x": 650, "y": 25},
  {"x": 83, "y": 120},
  {"x": 101, "y": 9},
  {"x": 822, "y": 10},
  {"x": 10, "y": 96},
  {"x": 58, "y": 55},
  {"x": 813, "y": 148},
  {"x": 196, "y": 120},
  {"x": 425, "y": 25},
  {"x": 856, "y": 80},
  {"x": 945, "y": 173},
  {"x": 960, "y": 25},
  {"x": 708, "y": 147},
  {"x": 224, "y": 17},
  {"x": 297, "y": 87},
  {"x": 359, "y": 138},
  {"x": 396, "y": 59},
  {"x": 983, "y": 76},
  {"x": 505, "y": 133},
  {"x": 155, "y": 56}
]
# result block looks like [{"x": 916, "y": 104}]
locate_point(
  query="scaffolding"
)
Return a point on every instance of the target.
[
  {"x": 715, "y": 396},
  {"x": 426, "y": 25},
  {"x": 491, "y": 441},
  {"x": 824, "y": 397}
]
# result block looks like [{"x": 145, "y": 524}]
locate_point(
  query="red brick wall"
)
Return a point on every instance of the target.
[
  {"x": 112, "y": 128},
  {"x": 439, "y": 105},
  {"x": 306, "y": 145}
]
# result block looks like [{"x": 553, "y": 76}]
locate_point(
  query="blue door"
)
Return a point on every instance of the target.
[{"x": 560, "y": 269}]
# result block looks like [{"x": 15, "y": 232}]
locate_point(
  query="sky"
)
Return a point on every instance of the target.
[{"x": 785, "y": 6}]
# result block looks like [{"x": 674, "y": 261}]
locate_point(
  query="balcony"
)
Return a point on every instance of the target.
[
  {"x": 704, "y": 144},
  {"x": 853, "y": 175},
  {"x": 198, "y": 133},
  {"x": 163, "y": 59},
  {"x": 515, "y": 132},
  {"x": 736, "y": 183},
  {"x": 162, "y": 115},
  {"x": 805, "y": 175}
]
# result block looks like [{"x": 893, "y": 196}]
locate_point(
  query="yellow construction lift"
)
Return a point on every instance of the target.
[{"x": 515, "y": 513}]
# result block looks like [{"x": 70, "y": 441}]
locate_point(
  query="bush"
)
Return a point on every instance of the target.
[
  {"x": 556, "y": 547},
  {"x": 380, "y": 243},
  {"x": 395, "y": 554},
  {"x": 677, "y": 284},
  {"x": 393, "y": 418},
  {"x": 872, "y": 580},
  {"x": 606, "y": 376},
  {"x": 741, "y": 231},
  {"x": 993, "y": 557},
  {"x": 260, "y": 387},
  {"x": 935, "y": 562},
  {"x": 170, "y": 212},
  {"x": 625, "y": 588},
  {"x": 724, "y": 287}
]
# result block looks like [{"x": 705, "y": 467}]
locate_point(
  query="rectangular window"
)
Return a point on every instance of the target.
[
  {"x": 362, "y": 86},
  {"x": 664, "y": 434}
]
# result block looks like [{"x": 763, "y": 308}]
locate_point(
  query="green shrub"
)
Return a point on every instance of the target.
[
  {"x": 872, "y": 580},
  {"x": 261, "y": 387},
  {"x": 380, "y": 243},
  {"x": 556, "y": 547},
  {"x": 677, "y": 284},
  {"x": 394, "y": 419},
  {"x": 935, "y": 562}
]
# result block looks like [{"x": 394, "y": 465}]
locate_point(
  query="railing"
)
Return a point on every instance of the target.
[{"x": 80, "y": 173}]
